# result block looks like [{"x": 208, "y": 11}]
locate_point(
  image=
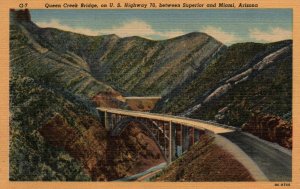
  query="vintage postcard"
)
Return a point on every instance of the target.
[{"x": 149, "y": 94}]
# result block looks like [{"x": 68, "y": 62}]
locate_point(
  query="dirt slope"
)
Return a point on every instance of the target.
[{"x": 205, "y": 162}]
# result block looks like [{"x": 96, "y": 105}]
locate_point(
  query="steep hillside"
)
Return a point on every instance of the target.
[
  {"x": 143, "y": 67},
  {"x": 134, "y": 65},
  {"x": 51, "y": 65},
  {"x": 234, "y": 61}
]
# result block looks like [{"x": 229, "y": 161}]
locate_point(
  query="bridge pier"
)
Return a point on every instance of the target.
[
  {"x": 196, "y": 135},
  {"x": 192, "y": 136},
  {"x": 179, "y": 138},
  {"x": 165, "y": 140},
  {"x": 107, "y": 121},
  {"x": 172, "y": 142},
  {"x": 185, "y": 139}
]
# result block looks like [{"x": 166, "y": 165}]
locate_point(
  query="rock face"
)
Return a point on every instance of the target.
[
  {"x": 109, "y": 99},
  {"x": 20, "y": 16},
  {"x": 271, "y": 128}
]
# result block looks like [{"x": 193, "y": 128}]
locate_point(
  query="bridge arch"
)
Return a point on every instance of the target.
[{"x": 150, "y": 127}]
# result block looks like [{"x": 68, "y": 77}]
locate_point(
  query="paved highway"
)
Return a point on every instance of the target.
[
  {"x": 143, "y": 175},
  {"x": 273, "y": 162}
]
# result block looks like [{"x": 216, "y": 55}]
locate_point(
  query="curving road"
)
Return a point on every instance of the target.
[
  {"x": 143, "y": 175},
  {"x": 274, "y": 161}
]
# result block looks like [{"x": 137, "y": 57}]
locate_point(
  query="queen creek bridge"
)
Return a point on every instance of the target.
[{"x": 173, "y": 135}]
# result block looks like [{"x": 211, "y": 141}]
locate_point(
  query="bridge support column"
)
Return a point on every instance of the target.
[
  {"x": 106, "y": 121},
  {"x": 165, "y": 140},
  {"x": 172, "y": 142},
  {"x": 193, "y": 135},
  {"x": 196, "y": 135},
  {"x": 179, "y": 147},
  {"x": 185, "y": 138}
]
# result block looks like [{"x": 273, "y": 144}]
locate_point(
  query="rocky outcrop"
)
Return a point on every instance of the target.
[
  {"x": 109, "y": 99},
  {"x": 20, "y": 15},
  {"x": 271, "y": 128}
]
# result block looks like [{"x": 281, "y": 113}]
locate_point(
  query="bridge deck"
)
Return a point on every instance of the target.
[{"x": 198, "y": 124}]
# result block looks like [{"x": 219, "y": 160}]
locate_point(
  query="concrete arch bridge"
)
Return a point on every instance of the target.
[{"x": 172, "y": 134}]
